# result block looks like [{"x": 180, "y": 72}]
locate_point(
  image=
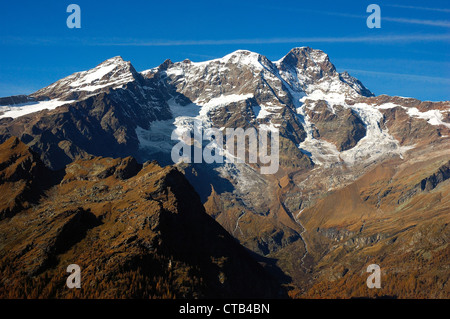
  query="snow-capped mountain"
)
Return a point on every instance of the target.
[
  {"x": 325, "y": 118},
  {"x": 333, "y": 132},
  {"x": 111, "y": 74},
  {"x": 87, "y": 112},
  {"x": 246, "y": 89}
]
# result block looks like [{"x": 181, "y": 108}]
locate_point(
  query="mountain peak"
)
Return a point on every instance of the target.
[
  {"x": 111, "y": 73},
  {"x": 165, "y": 64},
  {"x": 242, "y": 53},
  {"x": 306, "y": 57},
  {"x": 114, "y": 63},
  {"x": 252, "y": 59},
  {"x": 116, "y": 58}
]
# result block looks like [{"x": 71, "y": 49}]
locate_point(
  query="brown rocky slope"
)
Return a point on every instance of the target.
[
  {"x": 136, "y": 231},
  {"x": 396, "y": 216}
]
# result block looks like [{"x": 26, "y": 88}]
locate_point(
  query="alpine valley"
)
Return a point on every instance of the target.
[{"x": 86, "y": 178}]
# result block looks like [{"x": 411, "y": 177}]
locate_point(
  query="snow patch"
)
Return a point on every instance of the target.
[
  {"x": 377, "y": 142},
  {"x": 18, "y": 110},
  {"x": 265, "y": 110},
  {"x": 433, "y": 117},
  {"x": 93, "y": 75},
  {"x": 217, "y": 102}
]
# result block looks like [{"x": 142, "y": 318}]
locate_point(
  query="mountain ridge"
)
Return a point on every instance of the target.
[
  {"x": 145, "y": 222},
  {"x": 334, "y": 133}
]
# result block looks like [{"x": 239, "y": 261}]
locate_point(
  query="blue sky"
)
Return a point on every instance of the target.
[{"x": 408, "y": 56}]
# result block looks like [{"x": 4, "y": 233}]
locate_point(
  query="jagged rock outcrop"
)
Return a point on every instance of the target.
[
  {"x": 23, "y": 177},
  {"x": 338, "y": 125}
]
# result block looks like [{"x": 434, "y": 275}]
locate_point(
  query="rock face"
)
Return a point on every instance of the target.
[
  {"x": 135, "y": 231},
  {"x": 23, "y": 177},
  {"x": 395, "y": 216},
  {"x": 340, "y": 126},
  {"x": 99, "y": 112},
  {"x": 334, "y": 133}
]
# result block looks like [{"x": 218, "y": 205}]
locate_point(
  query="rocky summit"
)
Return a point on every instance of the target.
[{"x": 362, "y": 180}]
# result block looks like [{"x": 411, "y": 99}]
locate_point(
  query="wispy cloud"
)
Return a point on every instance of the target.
[
  {"x": 306, "y": 40},
  {"x": 409, "y": 77},
  {"x": 390, "y": 38},
  {"x": 436, "y": 23},
  {"x": 417, "y": 8}
]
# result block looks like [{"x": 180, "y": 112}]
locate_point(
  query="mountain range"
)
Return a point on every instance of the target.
[{"x": 362, "y": 179}]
